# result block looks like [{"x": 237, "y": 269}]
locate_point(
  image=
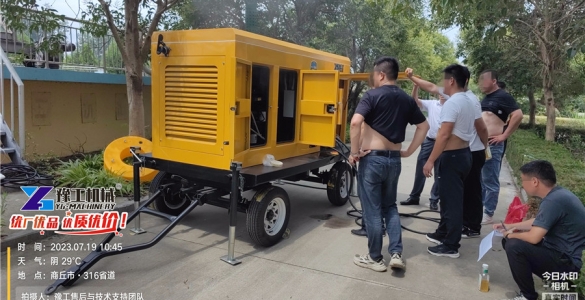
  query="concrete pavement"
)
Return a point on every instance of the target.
[{"x": 314, "y": 262}]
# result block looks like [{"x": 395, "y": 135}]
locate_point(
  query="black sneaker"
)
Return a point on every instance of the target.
[
  {"x": 435, "y": 238},
  {"x": 442, "y": 250},
  {"x": 468, "y": 233}
]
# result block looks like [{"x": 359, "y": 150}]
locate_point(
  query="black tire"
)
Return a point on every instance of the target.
[
  {"x": 262, "y": 207},
  {"x": 340, "y": 183},
  {"x": 169, "y": 202}
]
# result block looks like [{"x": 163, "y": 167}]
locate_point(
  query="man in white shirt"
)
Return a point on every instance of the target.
[
  {"x": 433, "y": 109},
  {"x": 458, "y": 128},
  {"x": 473, "y": 204}
]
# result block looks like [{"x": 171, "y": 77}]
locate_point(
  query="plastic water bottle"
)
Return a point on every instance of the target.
[{"x": 484, "y": 279}]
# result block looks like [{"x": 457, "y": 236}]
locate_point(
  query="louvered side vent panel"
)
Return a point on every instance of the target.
[{"x": 191, "y": 103}]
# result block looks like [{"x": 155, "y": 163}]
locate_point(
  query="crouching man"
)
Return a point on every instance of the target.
[{"x": 553, "y": 241}]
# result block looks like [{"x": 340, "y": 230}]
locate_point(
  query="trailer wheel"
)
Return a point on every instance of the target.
[
  {"x": 267, "y": 216},
  {"x": 339, "y": 184},
  {"x": 170, "y": 202}
]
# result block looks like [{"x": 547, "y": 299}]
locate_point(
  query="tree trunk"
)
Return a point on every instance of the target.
[
  {"x": 135, "y": 105},
  {"x": 532, "y": 111},
  {"x": 550, "y": 106},
  {"x": 134, "y": 68}
]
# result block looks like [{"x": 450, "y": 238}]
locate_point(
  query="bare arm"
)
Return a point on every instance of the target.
[
  {"x": 355, "y": 131},
  {"x": 362, "y": 134},
  {"x": 522, "y": 226},
  {"x": 530, "y": 234},
  {"x": 515, "y": 120},
  {"x": 417, "y": 140},
  {"x": 415, "y": 96},
  {"x": 425, "y": 85}
]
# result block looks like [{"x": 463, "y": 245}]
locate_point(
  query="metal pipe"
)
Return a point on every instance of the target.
[
  {"x": 354, "y": 189},
  {"x": 234, "y": 197},
  {"x": 2, "y": 85},
  {"x": 136, "y": 181},
  {"x": 15, "y": 78},
  {"x": 21, "y": 129},
  {"x": 11, "y": 102}
]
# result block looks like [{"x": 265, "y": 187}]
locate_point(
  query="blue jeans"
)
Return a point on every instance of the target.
[
  {"x": 378, "y": 188},
  {"x": 490, "y": 179},
  {"x": 419, "y": 178}
]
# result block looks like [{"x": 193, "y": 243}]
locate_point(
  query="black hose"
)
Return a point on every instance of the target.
[
  {"x": 22, "y": 175},
  {"x": 355, "y": 212}
]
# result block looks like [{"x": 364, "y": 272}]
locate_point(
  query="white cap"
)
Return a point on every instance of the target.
[{"x": 485, "y": 266}]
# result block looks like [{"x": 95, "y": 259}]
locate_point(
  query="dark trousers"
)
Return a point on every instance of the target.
[
  {"x": 525, "y": 259},
  {"x": 454, "y": 166},
  {"x": 472, "y": 200},
  {"x": 419, "y": 178}
]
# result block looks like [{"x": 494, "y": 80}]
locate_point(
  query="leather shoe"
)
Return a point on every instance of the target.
[
  {"x": 410, "y": 201},
  {"x": 363, "y": 232},
  {"x": 434, "y": 206}
]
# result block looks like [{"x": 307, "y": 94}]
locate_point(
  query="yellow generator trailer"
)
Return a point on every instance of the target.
[
  {"x": 224, "y": 95},
  {"x": 223, "y": 100}
]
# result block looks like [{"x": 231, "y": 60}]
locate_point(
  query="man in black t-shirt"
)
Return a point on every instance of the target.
[
  {"x": 385, "y": 112},
  {"x": 502, "y": 86},
  {"x": 554, "y": 241},
  {"x": 496, "y": 106}
]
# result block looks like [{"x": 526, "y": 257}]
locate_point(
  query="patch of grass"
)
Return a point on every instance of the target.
[
  {"x": 525, "y": 145},
  {"x": 89, "y": 171},
  {"x": 571, "y": 137},
  {"x": 580, "y": 282},
  {"x": 562, "y": 122}
]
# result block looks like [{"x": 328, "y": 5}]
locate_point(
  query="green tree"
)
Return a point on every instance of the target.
[
  {"x": 84, "y": 55},
  {"x": 38, "y": 25},
  {"x": 519, "y": 71},
  {"x": 359, "y": 30},
  {"x": 552, "y": 30},
  {"x": 132, "y": 27}
]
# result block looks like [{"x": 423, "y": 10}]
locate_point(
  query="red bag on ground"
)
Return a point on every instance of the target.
[{"x": 516, "y": 211}]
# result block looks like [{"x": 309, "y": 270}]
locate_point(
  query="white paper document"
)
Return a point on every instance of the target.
[{"x": 486, "y": 243}]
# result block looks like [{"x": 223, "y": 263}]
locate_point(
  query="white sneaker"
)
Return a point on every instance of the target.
[
  {"x": 487, "y": 220},
  {"x": 397, "y": 262},
  {"x": 365, "y": 261}
]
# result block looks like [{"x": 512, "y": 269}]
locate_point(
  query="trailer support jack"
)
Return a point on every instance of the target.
[
  {"x": 75, "y": 272},
  {"x": 234, "y": 198}
]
